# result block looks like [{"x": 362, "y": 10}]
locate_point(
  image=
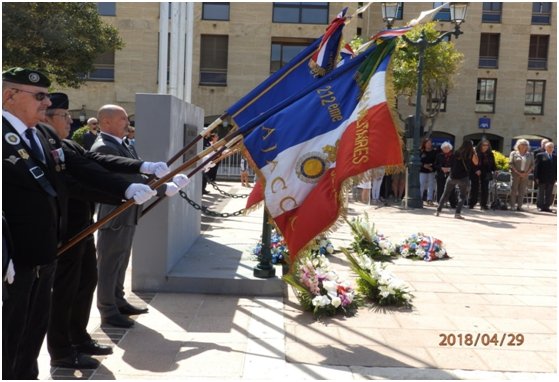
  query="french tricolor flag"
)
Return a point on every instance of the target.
[
  {"x": 326, "y": 55},
  {"x": 307, "y": 151}
]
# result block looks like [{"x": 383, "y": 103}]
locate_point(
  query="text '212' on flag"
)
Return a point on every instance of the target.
[{"x": 308, "y": 149}]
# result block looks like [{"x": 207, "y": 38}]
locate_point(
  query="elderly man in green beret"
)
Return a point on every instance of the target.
[{"x": 35, "y": 194}]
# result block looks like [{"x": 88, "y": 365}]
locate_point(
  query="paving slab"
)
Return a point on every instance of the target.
[{"x": 491, "y": 285}]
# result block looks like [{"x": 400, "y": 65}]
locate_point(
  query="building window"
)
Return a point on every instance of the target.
[
  {"x": 106, "y": 9},
  {"x": 103, "y": 68},
  {"x": 400, "y": 13},
  {"x": 444, "y": 13},
  {"x": 283, "y": 52},
  {"x": 437, "y": 104},
  {"x": 492, "y": 12},
  {"x": 485, "y": 99},
  {"x": 213, "y": 60},
  {"x": 535, "y": 91},
  {"x": 489, "y": 50},
  {"x": 300, "y": 13},
  {"x": 215, "y": 11},
  {"x": 541, "y": 13},
  {"x": 537, "y": 58}
]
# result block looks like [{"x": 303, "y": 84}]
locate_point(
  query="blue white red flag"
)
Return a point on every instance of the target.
[
  {"x": 346, "y": 54},
  {"x": 306, "y": 151},
  {"x": 390, "y": 33},
  {"x": 324, "y": 59},
  {"x": 290, "y": 78}
]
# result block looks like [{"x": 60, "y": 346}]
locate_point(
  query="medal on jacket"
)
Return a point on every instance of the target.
[
  {"x": 23, "y": 153},
  {"x": 58, "y": 156},
  {"x": 12, "y": 139}
]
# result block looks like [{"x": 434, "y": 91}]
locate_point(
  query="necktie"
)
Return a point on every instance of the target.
[
  {"x": 35, "y": 149},
  {"x": 129, "y": 149}
]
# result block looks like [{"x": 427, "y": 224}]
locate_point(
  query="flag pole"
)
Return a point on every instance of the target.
[
  {"x": 191, "y": 174},
  {"x": 223, "y": 144}
]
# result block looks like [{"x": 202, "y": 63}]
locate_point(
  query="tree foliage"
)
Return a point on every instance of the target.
[
  {"x": 61, "y": 39},
  {"x": 441, "y": 62}
]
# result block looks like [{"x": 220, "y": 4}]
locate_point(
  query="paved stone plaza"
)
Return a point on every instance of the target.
[{"x": 501, "y": 279}]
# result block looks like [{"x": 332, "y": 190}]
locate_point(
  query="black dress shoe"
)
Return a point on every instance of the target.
[
  {"x": 75, "y": 361},
  {"x": 92, "y": 347},
  {"x": 118, "y": 320},
  {"x": 546, "y": 210},
  {"x": 130, "y": 310}
]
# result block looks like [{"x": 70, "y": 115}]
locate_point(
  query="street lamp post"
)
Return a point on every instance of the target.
[{"x": 413, "y": 197}]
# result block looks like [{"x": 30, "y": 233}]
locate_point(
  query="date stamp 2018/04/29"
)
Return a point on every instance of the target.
[{"x": 481, "y": 339}]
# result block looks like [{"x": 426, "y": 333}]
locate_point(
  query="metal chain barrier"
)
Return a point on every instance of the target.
[
  {"x": 207, "y": 211},
  {"x": 216, "y": 187}
]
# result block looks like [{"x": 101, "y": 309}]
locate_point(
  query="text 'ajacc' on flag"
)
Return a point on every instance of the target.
[{"x": 306, "y": 150}]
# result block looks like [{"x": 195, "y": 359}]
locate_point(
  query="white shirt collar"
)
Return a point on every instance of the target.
[
  {"x": 119, "y": 140},
  {"x": 16, "y": 123}
]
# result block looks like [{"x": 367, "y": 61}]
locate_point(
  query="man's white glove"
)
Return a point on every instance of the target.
[
  {"x": 171, "y": 189},
  {"x": 160, "y": 169},
  {"x": 140, "y": 192},
  {"x": 181, "y": 180},
  {"x": 10, "y": 273}
]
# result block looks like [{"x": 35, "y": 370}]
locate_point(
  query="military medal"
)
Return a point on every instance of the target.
[
  {"x": 12, "y": 139},
  {"x": 52, "y": 141},
  {"x": 57, "y": 168},
  {"x": 23, "y": 153}
]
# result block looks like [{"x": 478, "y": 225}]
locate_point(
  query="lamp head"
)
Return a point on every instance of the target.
[
  {"x": 458, "y": 12},
  {"x": 389, "y": 12}
]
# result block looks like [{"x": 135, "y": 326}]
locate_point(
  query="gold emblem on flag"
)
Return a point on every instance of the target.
[{"x": 311, "y": 166}]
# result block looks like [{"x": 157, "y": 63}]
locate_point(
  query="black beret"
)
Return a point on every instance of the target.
[
  {"x": 26, "y": 77},
  {"x": 59, "y": 101}
]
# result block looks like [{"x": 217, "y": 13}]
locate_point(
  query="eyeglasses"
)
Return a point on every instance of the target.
[
  {"x": 38, "y": 96},
  {"x": 63, "y": 115}
]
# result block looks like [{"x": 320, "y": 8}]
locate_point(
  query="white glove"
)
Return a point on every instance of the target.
[
  {"x": 140, "y": 192},
  {"x": 160, "y": 169},
  {"x": 10, "y": 273},
  {"x": 171, "y": 189},
  {"x": 181, "y": 180}
]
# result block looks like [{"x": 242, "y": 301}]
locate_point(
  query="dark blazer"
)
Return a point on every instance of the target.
[
  {"x": 546, "y": 169},
  {"x": 36, "y": 219},
  {"x": 105, "y": 144},
  {"x": 80, "y": 204}
]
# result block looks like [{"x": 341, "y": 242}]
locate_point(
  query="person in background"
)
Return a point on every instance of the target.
[
  {"x": 521, "y": 163},
  {"x": 427, "y": 170},
  {"x": 130, "y": 137},
  {"x": 540, "y": 149},
  {"x": 461, "y": 165},
  {"x": 365, "y": 187},
  {"x": 378, "y": 174},
  {"x": 210, "y": 173},
  {"x": 244, "y": 171},
  {"x": 90, "y": 137},
  {"x": 545, "y": 174},
  {"x": 482, "y": 174},
  {"x": 442, "y": 166}
]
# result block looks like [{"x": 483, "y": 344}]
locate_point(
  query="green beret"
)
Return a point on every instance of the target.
[
  {"x": 26, "y": 77},
  {"x": 59, "y": 101}
]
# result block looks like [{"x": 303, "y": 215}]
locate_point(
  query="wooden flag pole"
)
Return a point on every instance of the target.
[{"x": 235, "y": 139}]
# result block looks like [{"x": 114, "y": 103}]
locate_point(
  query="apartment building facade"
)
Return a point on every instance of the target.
[{"x": 505, "y": 89}]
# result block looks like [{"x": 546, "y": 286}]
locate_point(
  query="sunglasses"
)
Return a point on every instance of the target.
[{"x": 38, "y": 96}]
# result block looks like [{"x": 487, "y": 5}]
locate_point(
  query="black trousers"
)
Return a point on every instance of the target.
[
  {"x": 478, "y": 183},
  {"x": 545, "y": 195},
  {"x": 72, "y": 295},
  {"x": 441, "y": 182},
  {"x": 25, "y": 317}
]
